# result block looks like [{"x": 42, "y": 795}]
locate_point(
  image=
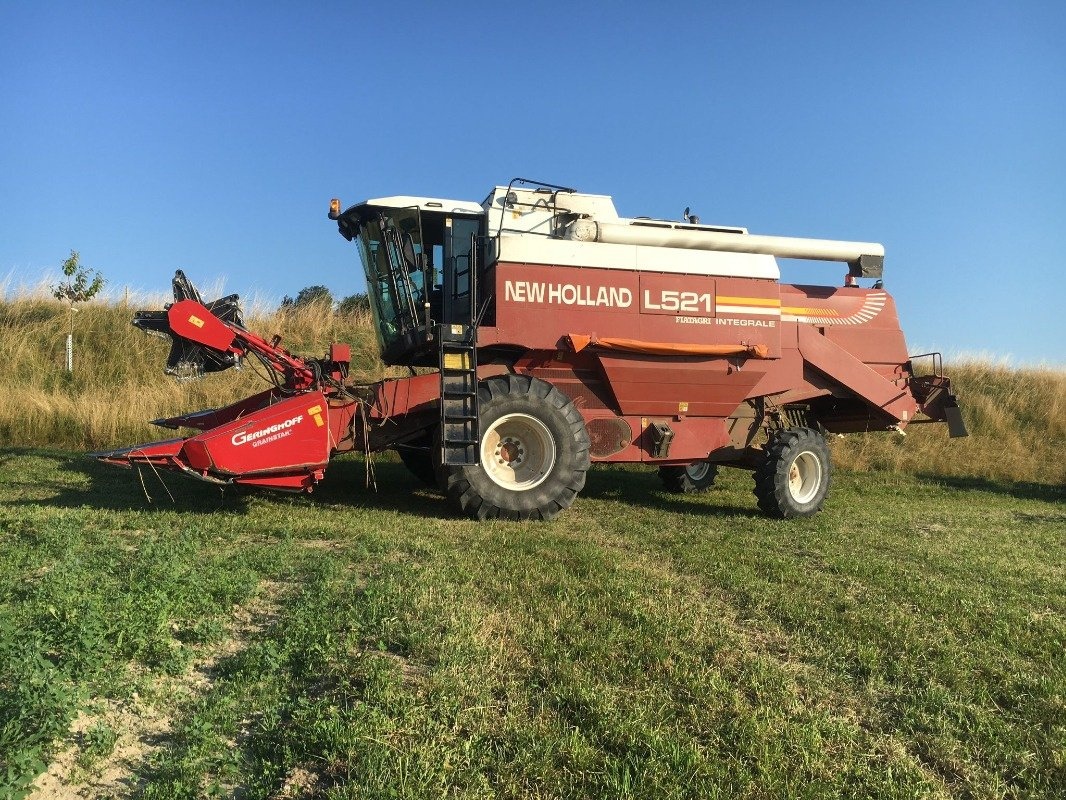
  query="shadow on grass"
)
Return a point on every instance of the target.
[
  {"x": 71, "y": 480},
  {"x": 398, "y": 491},
  {"x": 112, "y": 488},
  {"x": 1020, "y": 489},
  {"x": 642, "y": 487}
]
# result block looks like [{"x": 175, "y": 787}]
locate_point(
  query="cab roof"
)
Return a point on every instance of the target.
[{"x": 425, "y": 204}]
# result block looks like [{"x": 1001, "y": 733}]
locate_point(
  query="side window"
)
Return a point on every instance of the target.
[{"x": 458, "y": 267}]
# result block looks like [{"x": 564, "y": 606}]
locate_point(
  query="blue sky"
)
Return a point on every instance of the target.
[{"x": 210, "y": 136}]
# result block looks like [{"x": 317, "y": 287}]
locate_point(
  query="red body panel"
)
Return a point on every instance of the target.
[
  {"x": 289, "y": 435},
  {"x": 688, "y": 386},
  {"x": 536, "y": 306},
  {"x": 821, "y": 341}
]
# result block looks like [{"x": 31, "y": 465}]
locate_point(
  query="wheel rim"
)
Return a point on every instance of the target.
[
  {"x": 697, "y": 471},
  {"x": 804, "y": 477},
  {"x": 517, "y": 452}
]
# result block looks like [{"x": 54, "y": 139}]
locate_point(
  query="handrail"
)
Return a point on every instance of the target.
[
  {"x": 938, "y": 362},
  {"x": 531, "y": 182}
]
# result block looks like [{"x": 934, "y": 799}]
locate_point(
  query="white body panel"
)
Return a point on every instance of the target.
[
  {"x": 566, "y": 252},
  {"x": 584, "y": 230},
  {"x": 535, "y": 212}
]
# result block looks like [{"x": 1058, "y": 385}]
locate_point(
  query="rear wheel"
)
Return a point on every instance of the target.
[
  {"x": 696, "y": 477},
  {"x": 534, "y": 453},
  {"x": 793, "y": 478},
  {"x": 417, "y": 456}
]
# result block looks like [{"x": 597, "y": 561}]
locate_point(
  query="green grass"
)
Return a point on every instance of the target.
[{"x": 906, "y": 642}]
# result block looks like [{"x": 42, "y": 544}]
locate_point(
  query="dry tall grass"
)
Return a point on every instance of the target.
[
  {"x": 1017, "y": 417},
  {"x": 1017, "y": 424},
  {"x": 118, "y": 381}
]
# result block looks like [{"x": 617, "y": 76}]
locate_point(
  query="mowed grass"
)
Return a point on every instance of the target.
[{"x": 907, "y": 642}]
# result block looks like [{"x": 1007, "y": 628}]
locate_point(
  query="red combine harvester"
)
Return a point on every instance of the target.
[{"x": 562, "y": 335}]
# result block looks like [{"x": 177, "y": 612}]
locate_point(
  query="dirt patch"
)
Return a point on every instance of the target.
[
  {"x": 138, "y": 727},
  {"x": 301, "y": 782},
  {"x": 321, "y": 544}
]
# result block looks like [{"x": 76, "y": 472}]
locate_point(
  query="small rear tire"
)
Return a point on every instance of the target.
[
  {"x": 534, "y": 453},
  {"x": 696, "y": 477},
  {"x": 793, "y": 478}
]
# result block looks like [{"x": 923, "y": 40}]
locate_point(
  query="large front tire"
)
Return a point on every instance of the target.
[
  {"x": 793, "y": 478},
  {"x": 534, "y": 453}
]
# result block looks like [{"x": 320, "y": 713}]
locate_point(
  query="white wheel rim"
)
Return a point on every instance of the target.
[
  {"x": 698, "y": 471},
  {"x": 804, "y": 477},
  {"x": 517, "y": 452}
]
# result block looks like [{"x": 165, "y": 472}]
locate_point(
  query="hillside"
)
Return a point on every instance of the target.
[{"x": 1016, "y": 417}]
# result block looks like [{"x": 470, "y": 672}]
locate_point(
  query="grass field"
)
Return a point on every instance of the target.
[{"x": 907, "y": 642}]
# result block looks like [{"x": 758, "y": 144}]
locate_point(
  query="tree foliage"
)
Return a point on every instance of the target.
[
  {"x": 354, "y": 304},
  {"x": 309, "y": 295}
]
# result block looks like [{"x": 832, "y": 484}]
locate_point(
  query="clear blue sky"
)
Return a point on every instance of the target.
[{"x": 210, "y": 136}]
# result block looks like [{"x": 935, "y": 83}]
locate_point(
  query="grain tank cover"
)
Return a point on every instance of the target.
[
  {"x": 592, "y": 219},
  {"x": 531, "y": 227}
]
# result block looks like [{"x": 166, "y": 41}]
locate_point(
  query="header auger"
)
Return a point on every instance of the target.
[{"x": 562, "y": 336}]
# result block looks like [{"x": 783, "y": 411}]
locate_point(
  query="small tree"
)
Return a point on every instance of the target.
[{"x": 81, "y": 285}]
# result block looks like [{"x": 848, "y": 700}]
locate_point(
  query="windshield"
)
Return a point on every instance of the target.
[{"x": 390, "y": 244}]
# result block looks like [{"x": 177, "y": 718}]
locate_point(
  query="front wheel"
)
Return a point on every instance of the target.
[
  {"x": 534, "y": 453},
  {"x": 793, "y": 478},
  {"x": 696, "y": 477}
]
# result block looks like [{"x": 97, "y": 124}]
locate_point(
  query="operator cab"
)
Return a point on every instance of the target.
[{"x": 421, "y": 261}]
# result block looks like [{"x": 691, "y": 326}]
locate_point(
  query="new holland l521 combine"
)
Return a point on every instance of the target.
[{"x": 562, "y": 335}]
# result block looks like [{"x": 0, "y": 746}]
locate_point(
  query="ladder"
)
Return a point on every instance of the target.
[{"x": 460, "y": 430}]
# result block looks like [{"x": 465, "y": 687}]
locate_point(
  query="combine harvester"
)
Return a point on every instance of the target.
[{"x": 562, "y": 335}]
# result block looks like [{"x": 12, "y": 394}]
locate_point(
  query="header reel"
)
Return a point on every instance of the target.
[{"x": 189, "y": 360}]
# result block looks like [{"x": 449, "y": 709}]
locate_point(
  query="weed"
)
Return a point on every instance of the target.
[{"x": 96, "y": 743}]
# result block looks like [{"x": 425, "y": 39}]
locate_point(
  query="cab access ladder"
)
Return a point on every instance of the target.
[{"x": 459, "y": 425}]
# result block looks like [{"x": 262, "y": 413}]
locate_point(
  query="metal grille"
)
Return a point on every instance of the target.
[{"x": 608, "y": 435}]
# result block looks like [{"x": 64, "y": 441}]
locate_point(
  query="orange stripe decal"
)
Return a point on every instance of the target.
[{"x": 747, "y": 301}]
